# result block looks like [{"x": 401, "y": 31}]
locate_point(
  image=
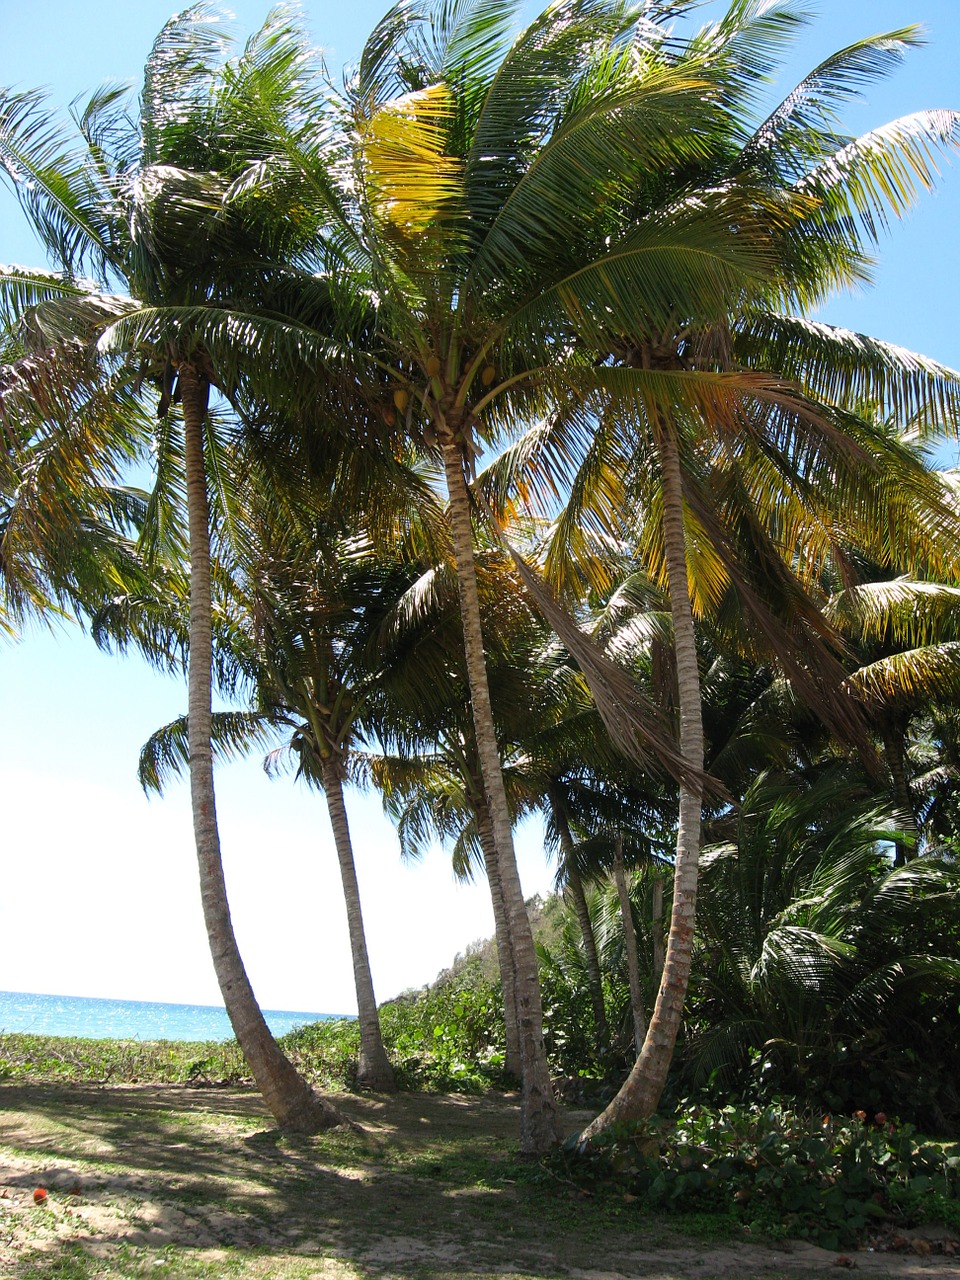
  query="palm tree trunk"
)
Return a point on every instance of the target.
[
  {"x": 657, "y": 921},
  {"x": 640, "y": 1094},
  {"x": 508, "y": 976},
  {"x": 630, "y": 947},
  {"x": 374, "y": 1070},
  {"x": 575, "y": 889},
  {"x": 892, "y": 736},
  {"x": 290, "y": 1099},
  {"x": 539, "y": 1127}
]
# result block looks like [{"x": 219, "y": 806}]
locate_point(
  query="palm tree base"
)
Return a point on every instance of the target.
[
  {"x": 375, "y": 1075},
  {"x": 311, "y": 1115}
]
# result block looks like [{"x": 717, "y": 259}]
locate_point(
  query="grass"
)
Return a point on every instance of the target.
[
  {"x": 182, "y": 1183},
  {"x": 65, "y": 1058},
  {"x": 184, "y": 1177}
]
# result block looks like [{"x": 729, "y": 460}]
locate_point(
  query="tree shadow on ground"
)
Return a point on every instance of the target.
[
  {"x": 423, "y": 1174},
  {"x": 428, "y": 1187}
]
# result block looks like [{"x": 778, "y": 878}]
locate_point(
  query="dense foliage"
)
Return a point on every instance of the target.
[
  {"x": 783, "y": 1173},
  {"x": 498, "y": 464}
]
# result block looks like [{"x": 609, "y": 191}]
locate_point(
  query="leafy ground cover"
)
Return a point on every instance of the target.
[
  {"x": 185, "y": 1182},
  {"x": 841, "y": 1182}
]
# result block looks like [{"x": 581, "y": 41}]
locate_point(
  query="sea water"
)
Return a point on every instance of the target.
[{"x": 96, "y": 1019}]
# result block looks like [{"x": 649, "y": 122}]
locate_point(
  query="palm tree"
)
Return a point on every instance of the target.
[
  {"x": 709, "y": 406},
  {"x": 902, "y": 631},
  {"x": 293, "y": 628},
  {"x": 812, "y": 948},
  {"x": 141, "y": 206},
  {"x": 486, "y": 167},
  {"x": 429, "y": 769}
]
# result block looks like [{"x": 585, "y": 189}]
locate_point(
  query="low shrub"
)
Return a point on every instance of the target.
[
  {"x": 449, "y": 1036},
  {"x": 781, "y": 1173},
  {"x": 69, "y": 1059},
  {"x": 325, "y": 1052}
]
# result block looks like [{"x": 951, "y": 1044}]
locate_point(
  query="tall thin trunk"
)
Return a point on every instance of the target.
[
  {"x": 893, "y": 749},
  {"x": 657, "y": 921},
  {"x": 508, "y": 976},
  {"x": 574, "y": 887},
  {"x": 630, "y": 947},
  {"x": 292, "y": 1102},
  {"x": 374, "y": 1070},
  {"x": 539, "y": 1126},
  {"x": 641, "y": 1091}
]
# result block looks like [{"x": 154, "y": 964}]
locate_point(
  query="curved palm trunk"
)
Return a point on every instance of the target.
[
  {"x": 575, "y": 889},
  {"x": 290, "y": 1099},
  {"x": 508, "y": 977},
  {"x": 539, "y": 1127},
  {"x": 641, "y": 1090},
  {"x": 374, "y": 1070},
  {"x": 630, "y": 947}
]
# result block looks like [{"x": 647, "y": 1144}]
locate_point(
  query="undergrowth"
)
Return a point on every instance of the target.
[
  {"x": 64, "y": 1059},
  {"x": 778, "y": 1172}
]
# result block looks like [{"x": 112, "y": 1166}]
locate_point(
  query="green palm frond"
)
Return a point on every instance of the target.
[
  {"x": 913, "y": 676},
  {"x": 803, "y": 123},
  {"x": 176, "y": 81},
  {"x": 379, "y": 75},
  {"x": 902, "y": 610},
  {"x": 112, "y": 138},
  {"x": 879, "y": 175},
  {"x": 165, "y": 755},
  {"x": 62, "y": 202},
  {"x": 843, "y": 368},
  {"x": 22, "y": 289},
  {"x": 802, "y": 957},
  {"x": 513, "y": 109},
  {"x": 626, "y": 122},
  {"x": 464, "y": 41},
  {"x": 689, "y": 251}
]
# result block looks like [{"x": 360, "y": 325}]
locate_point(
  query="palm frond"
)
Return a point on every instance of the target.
[
  {"x": 166, "y": 753},
  {"x": 803, "y": 123},
  {"x": 879, "y": 175},
  {"x": 839, "y": 367},
  {"x": 177, "y": 77},
  {"x": 403, "y": 146}
]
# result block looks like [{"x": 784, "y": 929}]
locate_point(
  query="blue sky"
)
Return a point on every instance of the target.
[{"x": 98, "y": 888}]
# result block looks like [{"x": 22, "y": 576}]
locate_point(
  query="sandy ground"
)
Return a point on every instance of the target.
[{"x": 184, "y": 1183}]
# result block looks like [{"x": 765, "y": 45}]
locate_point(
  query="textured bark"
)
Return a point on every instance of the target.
[
  {"x": 657, "y": 914},
  {"x": 291, "y": 1101},
  {"x": 630, "y": 947},
  {"x": 508, "y": 976},
  {"x": 641, "y": 1091},
  {"x": 374, "y": 1070},
  {"x": 539, "y": 1126},
  {"x": 574, "y": 888},
  {"x": 893, "y": 749}
]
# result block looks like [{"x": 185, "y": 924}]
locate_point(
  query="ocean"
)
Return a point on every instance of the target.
[{"x": 95, "y": 1019}]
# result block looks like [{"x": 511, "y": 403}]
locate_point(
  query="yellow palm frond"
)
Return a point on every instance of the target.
[
  {"x": 403, "y": 146},
  {"x": 911, "y": 677}
]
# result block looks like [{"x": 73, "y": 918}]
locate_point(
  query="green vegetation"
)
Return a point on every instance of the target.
[
  {"x": 60, "y": 1059},
  {"x": 782, "y": 1174},
  {"x": 497, "y": 465}
]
